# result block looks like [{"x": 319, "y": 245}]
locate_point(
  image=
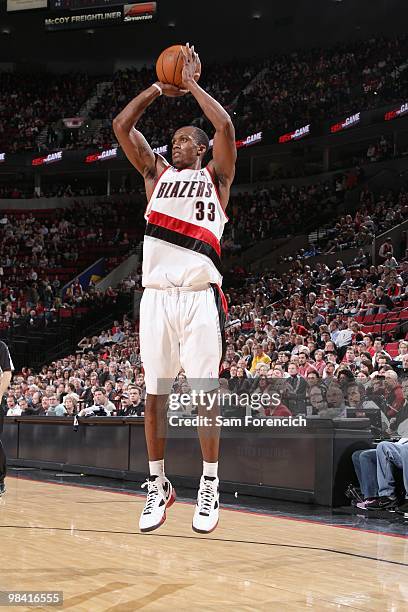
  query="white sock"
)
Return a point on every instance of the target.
[
  {"x": 210, "y": 469},
  {"x": 156, "y": 468}
]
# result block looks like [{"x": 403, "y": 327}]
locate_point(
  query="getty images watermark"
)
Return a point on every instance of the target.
[{"x": 195, "y": 407}]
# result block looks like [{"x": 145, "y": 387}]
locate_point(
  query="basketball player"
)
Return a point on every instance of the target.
[
  {"x": 182, "y": 313},
  {"x": 6, "y": 368}
]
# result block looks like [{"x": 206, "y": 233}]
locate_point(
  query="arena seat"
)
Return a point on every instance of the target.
[{"x": 392, "y": 348}]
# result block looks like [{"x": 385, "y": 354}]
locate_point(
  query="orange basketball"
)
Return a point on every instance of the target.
[{"x": 170, "y": 64}]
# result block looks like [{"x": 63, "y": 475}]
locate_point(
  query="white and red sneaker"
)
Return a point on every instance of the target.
[
  {"x": 207, "y": 510},
  {"x": 160, "y": 496}
]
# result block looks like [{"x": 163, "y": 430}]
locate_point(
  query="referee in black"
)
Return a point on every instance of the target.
[{"x": 6, "y": 370}]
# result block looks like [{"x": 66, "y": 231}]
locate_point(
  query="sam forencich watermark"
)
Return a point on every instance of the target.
[
  {"x": 176, "y": 420},
  {"x": 185, "y": 406}
]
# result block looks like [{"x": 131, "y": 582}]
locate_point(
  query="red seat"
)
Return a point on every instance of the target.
[
  {"x": 65, "y": 313},
  {"x": 392, "y": 348},
  {"x": 389, "y": 327},
  {"x": 80, "y": 310}
]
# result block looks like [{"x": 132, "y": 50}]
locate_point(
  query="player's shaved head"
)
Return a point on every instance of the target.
[
  {"x": 189, "y": 144},
  {"x": 199, "y": 136}
]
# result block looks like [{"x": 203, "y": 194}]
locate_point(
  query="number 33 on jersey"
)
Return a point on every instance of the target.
[{"x": 185, "y": 222}]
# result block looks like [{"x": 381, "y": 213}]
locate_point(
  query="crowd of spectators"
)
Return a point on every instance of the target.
[
  {"x": 375, "y": 215},
  {"x": 29, "y": 101},
  {"x": 103, "y": 378},
  {"x": 301, "y": 331},
  {"x": 63, "y": 190},
  {"x": 380, "y": 150},
  {"x": 317, "y": 85},
  {"x": 282, "y": 210},
  {"x": 56, "y": 190},
  {"x": 223, "y": 81},
  {"x": 291, "y": 91},
  {"x": 273, "y": 211},
  {"x": 40, "y": 252},
  {"x": 296, "y": 337}
]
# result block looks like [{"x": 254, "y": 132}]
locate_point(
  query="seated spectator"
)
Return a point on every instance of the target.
[
  {"x": 259, "y": 357},
  {"x": 316, "y": 400},
  {"x": 101, "y": 407},
  {"x": 335, "y": 403},
  {"x": 118, "y": 336},
  {"x": 395, "y": 395},
  {"x": 390, "y": 455},
  {"x": 329, "y": 373},
  {"x": 402, "y": 350},
  {"x": 294, "y": 396},
  {"x": 382, "y": 302},
  {"x": 12, "y": 408},
  {"x": 385, "y": 249},
  {"x": 239, "y": 381},
  {"x": 53, "y": 404},
  {"x": 35, "y": 408},
  {"x": 313, "y": 378},
  {"x": 356, "y": 398},
  {"x": 379, "y": 351},
  {"x": 305, "y": 366},
  {"x": 365, "y": 466},
  {"x": 275, "y": 410},
  {"x": 23, "y": 405},
  {"x": 69, "y": 406},
  {"x": 136, "y": 406}
]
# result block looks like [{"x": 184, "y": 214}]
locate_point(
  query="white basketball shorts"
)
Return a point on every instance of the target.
[{"x": 181, "y": 328}]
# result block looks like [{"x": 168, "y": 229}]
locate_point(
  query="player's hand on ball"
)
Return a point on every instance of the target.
[
  {"x": 191, "y": 68},
  {"x": 171, "y": 91}
]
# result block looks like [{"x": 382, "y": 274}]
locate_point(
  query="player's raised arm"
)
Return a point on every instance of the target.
[
  {"x": 224, "y": 148},
  {"x": 133, "y": 143}
]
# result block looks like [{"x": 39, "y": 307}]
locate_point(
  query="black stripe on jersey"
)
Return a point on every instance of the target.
[{"x": 199, "y": 246}]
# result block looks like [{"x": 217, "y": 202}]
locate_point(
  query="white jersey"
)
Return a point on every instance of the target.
[{"x": 185, "y": 222}]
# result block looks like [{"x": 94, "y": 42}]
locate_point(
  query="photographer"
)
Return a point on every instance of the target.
[{"x": 101, "y": 407}]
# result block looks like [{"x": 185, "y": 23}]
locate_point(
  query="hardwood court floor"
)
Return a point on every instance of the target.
[{"x": 86, "y": 543}]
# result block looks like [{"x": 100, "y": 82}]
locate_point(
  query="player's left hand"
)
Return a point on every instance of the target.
[{"x": 190, "y": 72}]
